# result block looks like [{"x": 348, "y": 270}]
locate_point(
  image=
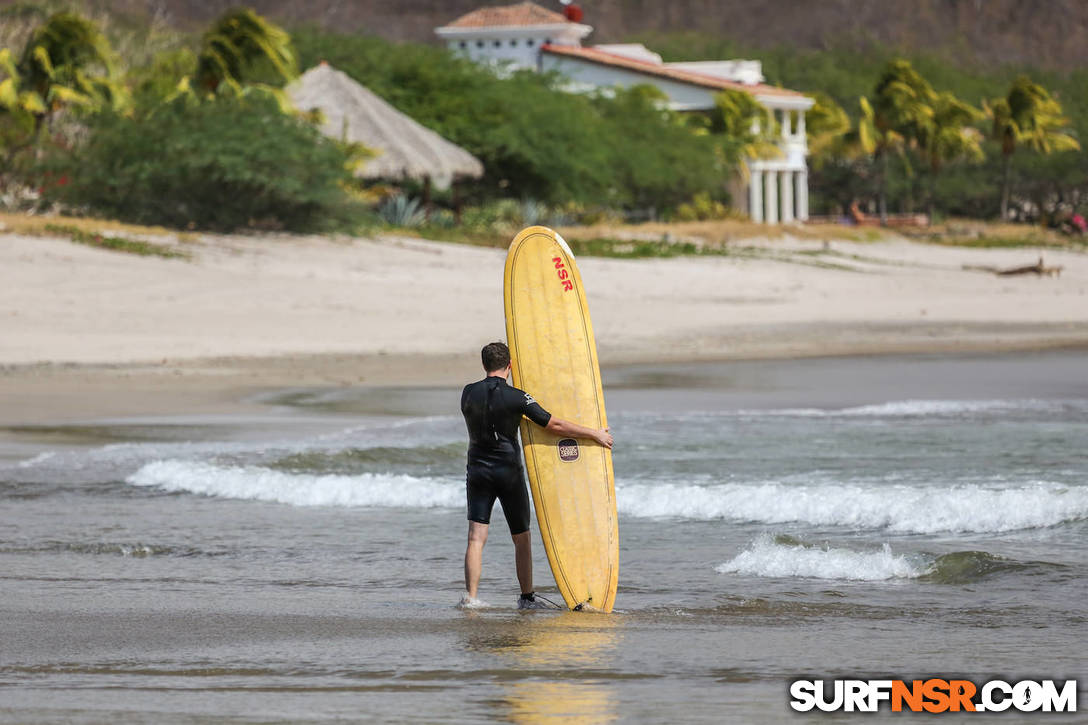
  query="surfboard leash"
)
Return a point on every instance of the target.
[{"x": 549, "y": 601}]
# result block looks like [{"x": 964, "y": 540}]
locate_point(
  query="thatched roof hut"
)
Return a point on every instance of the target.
[{"x": 406, "y": 150}]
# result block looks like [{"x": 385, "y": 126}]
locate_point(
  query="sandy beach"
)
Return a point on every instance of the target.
[{"x": 89, "y": 331}]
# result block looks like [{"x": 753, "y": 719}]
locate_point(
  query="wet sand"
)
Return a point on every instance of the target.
[{"x": 54, "y": 393}]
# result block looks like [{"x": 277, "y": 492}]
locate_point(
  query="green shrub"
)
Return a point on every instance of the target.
[
  {"x": 700, "y": 208},
  {"x": 220, "y": 165}
]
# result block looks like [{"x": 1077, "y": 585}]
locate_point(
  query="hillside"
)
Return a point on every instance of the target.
[{"x": 1044, "y": 33}]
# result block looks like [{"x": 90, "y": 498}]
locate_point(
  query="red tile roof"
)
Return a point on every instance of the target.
[
  {"x": 683, "y": 76},
  {"x": 526, "y": 13}
]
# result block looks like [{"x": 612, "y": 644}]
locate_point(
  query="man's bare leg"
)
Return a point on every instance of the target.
[
  {"x": 523, "y": 557},
  {"x": 474, "y": 554}
]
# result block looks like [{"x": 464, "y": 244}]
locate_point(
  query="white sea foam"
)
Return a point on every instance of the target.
[
  {"x": 40, "y": 458},
  {"x": 767, "y": 558},
  {"x": 264, "y": 484},
  {"x": 925, "y": 408},
  {"x": 879, "y": 505},
  {"x": 912, "y": 409},
  {"x": 901, "y": 508}
]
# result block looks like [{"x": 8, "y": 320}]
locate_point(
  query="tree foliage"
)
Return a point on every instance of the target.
[
  {"x": 901, "y": 107},
  {"x": 223, "y": 165},
  {"x": 1038, "y": 184},
  {"x": 241, "y": 46},
  {"x": 1028, "y": 115},
  {"x": 743, "y": 128},
  {"x": 878, "y": 131},
  {"x": 619, "y": 148},
  {"x": 827, "y": 125},
  {"x": 66, "y": 64}
]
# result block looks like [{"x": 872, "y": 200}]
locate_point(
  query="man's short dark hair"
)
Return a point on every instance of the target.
[{"x": 495, "y": 356}]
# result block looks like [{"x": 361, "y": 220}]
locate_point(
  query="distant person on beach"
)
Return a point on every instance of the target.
[{"x": 493, "y": 410}]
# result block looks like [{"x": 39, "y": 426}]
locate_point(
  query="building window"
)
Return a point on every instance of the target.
[
  {"x": 498, "y": 43},
  {"x": 529, "y": 42},
  {"x": 464, "y": 44},
  {"x": 513, "y": 43},
  {"x": 548, "y": 41}
]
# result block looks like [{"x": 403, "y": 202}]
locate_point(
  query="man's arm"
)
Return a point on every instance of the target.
[{"x": 561, "y": 427}]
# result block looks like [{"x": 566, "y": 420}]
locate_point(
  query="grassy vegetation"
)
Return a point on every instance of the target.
[
  {"x": 36, "y": 225},
  {"x": 117, "y": 244},
  {"x": 638, "y": 248},
  {"x": 993, "y": 235}
]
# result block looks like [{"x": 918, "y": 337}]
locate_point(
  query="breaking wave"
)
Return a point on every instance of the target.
[
  {"x": 899, "y": 508},
  {"x": 784, "y": 556},
  {"x": 769, "y": 557},
  {"x": 263, "y": 484}
]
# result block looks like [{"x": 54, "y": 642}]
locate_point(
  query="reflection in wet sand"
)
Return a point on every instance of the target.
[{"x": 559, "y": 666}]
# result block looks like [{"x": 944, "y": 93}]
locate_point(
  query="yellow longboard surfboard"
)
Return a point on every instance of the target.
[{"x": 555, "y": 360}]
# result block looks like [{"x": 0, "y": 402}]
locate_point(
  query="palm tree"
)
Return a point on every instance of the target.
[
  {"x": 1031, "y": 116},
  {"x": 66, "y": 62},
  {"x": 947, "y": 135},
  {"x": 237, "y": 46},
  {"x": 18, "y": 111},
  {"x": 826, "y": 125},
  {"x": 899, "y": 110},
  {"x": 745, "y": 128}
]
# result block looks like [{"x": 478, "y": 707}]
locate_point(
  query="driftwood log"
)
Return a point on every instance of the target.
[{"x": 1038, "y": 269}]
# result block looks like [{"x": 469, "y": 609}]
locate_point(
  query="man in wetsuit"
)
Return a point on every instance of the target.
[{"x": 493, "y": 411}]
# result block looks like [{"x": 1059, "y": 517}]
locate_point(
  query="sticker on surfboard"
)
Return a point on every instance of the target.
[{"x": 568, "y": 450}]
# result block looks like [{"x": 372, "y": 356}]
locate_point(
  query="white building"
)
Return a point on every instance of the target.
[{"x": 527, "y": 35}]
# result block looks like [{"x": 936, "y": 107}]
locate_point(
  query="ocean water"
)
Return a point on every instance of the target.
[{"x": 899, "y": 517}]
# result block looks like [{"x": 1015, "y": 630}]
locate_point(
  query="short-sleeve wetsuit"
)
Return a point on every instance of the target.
[{"x": 493, "y": 411}]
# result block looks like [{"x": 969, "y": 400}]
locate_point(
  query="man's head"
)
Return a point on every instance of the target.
[{"x": 495, "y": 356}]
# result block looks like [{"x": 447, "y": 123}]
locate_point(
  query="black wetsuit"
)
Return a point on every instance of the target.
[{"x": 493, "y": 411}]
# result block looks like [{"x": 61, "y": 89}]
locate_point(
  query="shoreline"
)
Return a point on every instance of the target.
[
  {"x": 38, "y": 394},
  {"x": 92, "y": 333}
]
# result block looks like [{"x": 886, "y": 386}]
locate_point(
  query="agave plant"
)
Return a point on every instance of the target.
[
  {"x": 401, "y": 211},
  {"x": 533, "y": 212}
]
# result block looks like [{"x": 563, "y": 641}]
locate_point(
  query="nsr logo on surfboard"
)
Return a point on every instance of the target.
[{"x": 563, "y": 274}]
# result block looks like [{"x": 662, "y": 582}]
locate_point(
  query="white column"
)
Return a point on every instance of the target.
[
  {"x": 785, "y": 123},
  {"x": 786, "y": 178},
  {"x": 755, "y": 196},
  {"x": 802, "y": 195},
  {"x": 801, "y": 124},
  {"x": 771, "y": 192}
]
